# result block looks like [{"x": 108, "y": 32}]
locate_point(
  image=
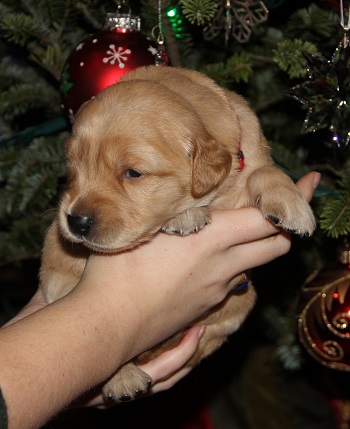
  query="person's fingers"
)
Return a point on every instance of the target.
[
  {"x": 170, "y": 381},
  {"x": 165, "y": 370},
  {"x": 267, "y": 249},
  {"x": 172, "y": 361},
  {"x": 261, "y": 251},
  {"x": 308, "y": 183},
  {"x": 93, "y": 400},
  {"x": 230, "y": 227},
  {"x": 231, "y": 223}
]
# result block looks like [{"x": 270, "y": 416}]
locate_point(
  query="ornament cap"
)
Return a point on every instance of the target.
[{"x": 123, "y": 23}]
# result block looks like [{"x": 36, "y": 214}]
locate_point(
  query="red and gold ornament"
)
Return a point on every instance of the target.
[
  {"x": 324, "y": 321},
  {"x": 103, "y": 58}
]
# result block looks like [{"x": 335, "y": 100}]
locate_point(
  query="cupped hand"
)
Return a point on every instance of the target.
[
  {"x": 235, "y": 241},
  {"x": 199, "y": 269},
  {"x": 172, "y": 362}
]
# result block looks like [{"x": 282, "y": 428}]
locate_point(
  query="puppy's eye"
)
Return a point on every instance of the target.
[{"x": 132, "y": 174}]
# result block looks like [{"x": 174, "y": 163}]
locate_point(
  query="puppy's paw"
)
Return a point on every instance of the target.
[
  {"x": 290, "y": 211},
  {"x": 127, "y": 384},
  {"x": 187, "y": 222},
  {"x": 280, "y": 200}
]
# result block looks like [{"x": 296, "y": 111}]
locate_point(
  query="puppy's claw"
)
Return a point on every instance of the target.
[
  {"x": 188, "y": 222},
  {"x": 125, "y": 398},
  {"x": 299, "y": 232},
  {"x": 110, "y": 398},
  {"x": 274, "y": 219},
  {"x": 128, "y": 383}
]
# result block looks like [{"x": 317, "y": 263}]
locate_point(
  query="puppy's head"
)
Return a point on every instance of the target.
[{"x": 137, "y": 157}]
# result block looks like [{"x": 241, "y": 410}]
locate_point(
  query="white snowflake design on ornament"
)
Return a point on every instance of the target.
[{"x": 117, "y": 55}]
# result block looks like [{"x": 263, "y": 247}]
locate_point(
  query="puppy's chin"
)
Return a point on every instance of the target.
[
  {"x": 105, "y": 248},
  {"x": 97, "y": 248}
]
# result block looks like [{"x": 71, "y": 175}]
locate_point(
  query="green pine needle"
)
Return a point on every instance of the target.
[
  {"x": 20, "y": 28},
  {"x": 239, "y": 67},
  {"x": 335, "y": 215},
  {"x": 21, "y": 98},
  {"x": 312, "y": 20},
  {"x": 199, "y": 11},
  {"x": 32, "y": 181},
  {"x": 289, "y": 56},
  {"x": 335, "y": 210}
]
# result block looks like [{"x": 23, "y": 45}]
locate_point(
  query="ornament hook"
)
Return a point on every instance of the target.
[
  {"x": 344, "y": 26},
  {"x": 161, "y": 58},
  {"x": 227, "y": 20},
  {"x": 123, "y": 7}
]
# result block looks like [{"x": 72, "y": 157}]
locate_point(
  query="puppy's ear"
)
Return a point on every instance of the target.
[{"x": 211, "y": 163}]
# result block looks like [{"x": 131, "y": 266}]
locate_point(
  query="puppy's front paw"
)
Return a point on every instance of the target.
[
  {"x": 291, "y": 212},
  {"x": 280, "y": 200},
  {"x": 127, "y": 384},
  {"x": 187, "y": 222}
]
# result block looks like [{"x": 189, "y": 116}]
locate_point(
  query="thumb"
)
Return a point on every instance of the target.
[{"x": 308, "y": 183}]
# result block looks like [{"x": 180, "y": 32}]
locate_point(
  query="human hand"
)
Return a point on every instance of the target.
[
  {"x": 307, "y": 184},
  {"x": 178, "y": 279},
  {"x": 155, "y": 290},
  {"x": 165, "y": 370}
]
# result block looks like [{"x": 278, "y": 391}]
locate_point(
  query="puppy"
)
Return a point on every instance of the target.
[{"x": 155, "y": 152}]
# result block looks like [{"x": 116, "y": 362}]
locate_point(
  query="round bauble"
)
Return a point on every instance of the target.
[
  {"x": 102, "y": 59},
  {"x": 324, "y": 320}
]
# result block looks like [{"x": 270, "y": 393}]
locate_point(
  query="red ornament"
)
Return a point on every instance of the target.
[
  {"x": 103, "y": 58},
  {"x": 324, "y": 322}
]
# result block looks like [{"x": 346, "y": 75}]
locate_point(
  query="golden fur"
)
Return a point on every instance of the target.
[{"x": 155, "y": 152}]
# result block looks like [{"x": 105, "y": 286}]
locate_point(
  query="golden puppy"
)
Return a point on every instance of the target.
[{"x": 153, "y": 153}]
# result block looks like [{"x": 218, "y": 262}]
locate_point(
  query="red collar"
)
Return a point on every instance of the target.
[{"x": 240, "y": 160}]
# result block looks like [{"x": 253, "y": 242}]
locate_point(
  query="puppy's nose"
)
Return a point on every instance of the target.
[{"x": 79, "y": 225}]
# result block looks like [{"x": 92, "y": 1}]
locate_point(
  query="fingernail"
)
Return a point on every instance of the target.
[
  {"x": 316, "y": 181},
  {"x": 201, "y": 332}
]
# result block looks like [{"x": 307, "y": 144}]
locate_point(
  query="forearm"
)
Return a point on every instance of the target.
[
  {"x": 51, "y": 357},
  {"x": 66, "y": 345}
]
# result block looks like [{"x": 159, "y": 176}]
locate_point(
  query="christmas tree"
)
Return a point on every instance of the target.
[{"x": 284, "y": 57}]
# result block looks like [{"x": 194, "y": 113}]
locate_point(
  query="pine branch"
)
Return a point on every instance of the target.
[
  {"x": 21, "y": 98},
  {"x": 216, "y": 72},
  {"x": 97, "y": 25},
  {"x": 289, "y": 56},
  {"x": 24, "y": 239},
  {"x": 239, "y": 67},
  {"x": 236, "y": 69},
  {"x": 199, "y": 11},
  {"x": 313, "y": 24},
  {"x": 282, "y": 330},
  {"x": 11, "y": 74},
  {"x": 21, "y": 29},
  {"x": 8, "y": 159},
  {"x": 32, "y": 182},
  {"x": 335, "y": 212},
  {"x": 335, "y": 216},
  {"x": 5, "y": 129}
]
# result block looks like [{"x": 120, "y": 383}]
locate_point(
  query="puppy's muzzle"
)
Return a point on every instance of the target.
[{"x": 79, "y": 225}]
